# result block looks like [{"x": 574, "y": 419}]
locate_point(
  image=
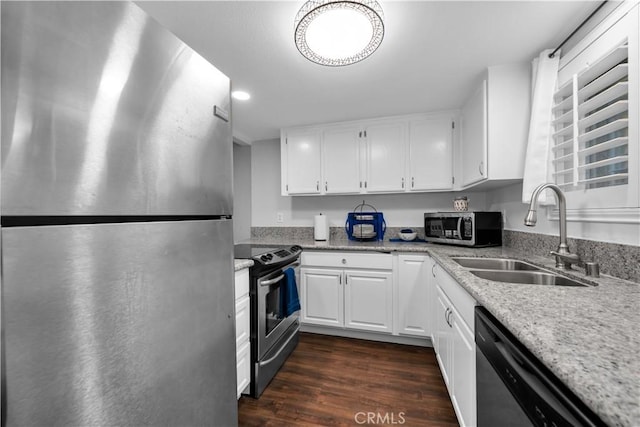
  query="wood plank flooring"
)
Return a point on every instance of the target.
[{"x": 334, "y": 381}]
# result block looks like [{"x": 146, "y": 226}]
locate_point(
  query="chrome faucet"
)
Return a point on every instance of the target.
[{"x": 564, "y": 258}]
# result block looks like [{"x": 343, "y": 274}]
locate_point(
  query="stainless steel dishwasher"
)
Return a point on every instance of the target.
[{"x": 515, "y": 389}]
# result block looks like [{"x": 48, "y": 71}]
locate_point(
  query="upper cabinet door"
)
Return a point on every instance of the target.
[
  {"x": 473, "y": 137},
  {"x": 385, "y": 157},
  {"x": 430, "y": 154},
  {"x": 342, "y": 160},
  {"x": 302, "y": 164}
]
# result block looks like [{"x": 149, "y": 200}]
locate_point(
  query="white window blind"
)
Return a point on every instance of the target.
[{"x": 591, "y": 125}]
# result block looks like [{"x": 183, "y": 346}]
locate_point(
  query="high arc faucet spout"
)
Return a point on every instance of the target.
[{"x": 564, "y": 258}]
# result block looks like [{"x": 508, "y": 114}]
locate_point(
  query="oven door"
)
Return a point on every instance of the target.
[{"x": 272, "y": 323}]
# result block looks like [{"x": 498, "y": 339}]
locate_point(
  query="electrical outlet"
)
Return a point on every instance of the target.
[{"x": 280, "y": 217}]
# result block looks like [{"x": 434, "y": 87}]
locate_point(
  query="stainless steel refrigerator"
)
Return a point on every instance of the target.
[{"x": 117, "y": 246}]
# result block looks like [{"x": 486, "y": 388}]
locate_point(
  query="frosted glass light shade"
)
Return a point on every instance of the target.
[{"x": 337, "y": 33}]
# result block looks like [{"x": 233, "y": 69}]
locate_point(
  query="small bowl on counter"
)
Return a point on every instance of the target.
[{"x": 407, "y": 234}]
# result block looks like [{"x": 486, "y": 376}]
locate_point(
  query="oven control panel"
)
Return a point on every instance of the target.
[{"x": 278, "y": 256}]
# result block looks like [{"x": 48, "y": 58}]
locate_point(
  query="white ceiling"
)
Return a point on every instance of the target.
[{"x": 429, "y": 60}]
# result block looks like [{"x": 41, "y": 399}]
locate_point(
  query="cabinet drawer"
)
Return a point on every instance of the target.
[
  {"x": 460, "y": 298},
  {"x": 374, "y": 260},
  {"x": 242, "y": 321},
  {"x": 242, "y": 283}
]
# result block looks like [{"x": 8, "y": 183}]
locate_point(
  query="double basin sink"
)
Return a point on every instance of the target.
[{"x": 513, "y": 271}]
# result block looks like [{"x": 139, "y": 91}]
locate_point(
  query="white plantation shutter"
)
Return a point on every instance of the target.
[{"x": 591, "y": 125}]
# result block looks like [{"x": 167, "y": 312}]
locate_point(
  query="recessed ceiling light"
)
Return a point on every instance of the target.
[
  {"x": 338, "y": 32},
  {"x": 240, "y": 95}
]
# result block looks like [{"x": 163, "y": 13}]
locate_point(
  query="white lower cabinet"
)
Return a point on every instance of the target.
[
  {"x": 321, "y": 297},
  {"x": 413, "y": 295},
  {"x": 442, "y": 336},
  {"x": 243, "y": 345},
  {"x": 368, "y": 300},
  {"x": 347, "y": 298},
  {"x": 453, "y": 339},
  {"x": 358, "y": 295},
  {"x": 464, "y": 371},
  {"x": 376, "y": 292}
]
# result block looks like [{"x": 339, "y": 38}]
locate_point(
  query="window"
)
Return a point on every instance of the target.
[
  {"x": 591, "y": 140},
  {"x": 595, "y": 155}
]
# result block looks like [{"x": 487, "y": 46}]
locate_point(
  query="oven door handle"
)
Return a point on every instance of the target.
[
  {"x": 272, "y": 281},
  {"x": 275, "y": 356},
  {"x": 459, "y": 228}
]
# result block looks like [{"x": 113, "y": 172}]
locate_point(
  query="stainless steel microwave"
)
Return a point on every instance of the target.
[{"x": 478, "y": 229}]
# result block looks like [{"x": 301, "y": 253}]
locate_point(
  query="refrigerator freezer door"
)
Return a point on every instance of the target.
[
  {"x": 105, "y": 112},
  {"x": 119, "y": 324}
]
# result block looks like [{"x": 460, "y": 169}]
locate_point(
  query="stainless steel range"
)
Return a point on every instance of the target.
[{"x": 274, "y": 331}]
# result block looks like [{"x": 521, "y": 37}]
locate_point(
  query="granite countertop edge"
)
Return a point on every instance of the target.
[
  {"x": 241, "y": 264},
  {"x": 585, "y": 336}
]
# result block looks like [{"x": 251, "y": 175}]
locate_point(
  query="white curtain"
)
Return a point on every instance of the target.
[{"x": 536, "y": 166}]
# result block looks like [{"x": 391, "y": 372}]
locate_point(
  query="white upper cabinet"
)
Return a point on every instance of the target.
[
  {"x": 473, "y": 137},
  {"x": 301, "y": 161},
  {"x": 494, "y": 126},
  {"x": 385, "y": 156},
  {"x": 430, "y": 157},
  {"x": 341, "y": 147}
]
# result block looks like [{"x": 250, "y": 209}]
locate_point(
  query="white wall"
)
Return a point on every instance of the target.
[
  {"x": 509, "y": 201},
  {"x": 241, "y": 192},
  {"x": 400, "y": 210}
]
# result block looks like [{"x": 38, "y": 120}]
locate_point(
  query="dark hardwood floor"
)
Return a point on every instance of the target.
[{"x": 333, "y": 381}]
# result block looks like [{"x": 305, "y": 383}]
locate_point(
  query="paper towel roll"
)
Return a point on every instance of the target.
[{"x": 320, "y": 227}]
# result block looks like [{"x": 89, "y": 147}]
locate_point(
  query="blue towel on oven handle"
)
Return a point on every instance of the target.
[{"x": 290, "y": 299}]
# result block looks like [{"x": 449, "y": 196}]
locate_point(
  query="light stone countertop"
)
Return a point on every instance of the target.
[
  {"x": 241, "y": 264},
  {"x": 588, "y": 337}
]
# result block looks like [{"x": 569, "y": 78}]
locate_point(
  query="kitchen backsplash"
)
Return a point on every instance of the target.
[
  {"x": 335, "y": 233},
  {"x": 617, "y": 260}
]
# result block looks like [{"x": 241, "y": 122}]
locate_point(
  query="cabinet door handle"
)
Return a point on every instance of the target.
[
  {"x": 481, "y": 168},
  {"x": 360, "y": 134},
  {"x": 433, "y": 273},
  {"x": 344, "y": 260},
  {"x": 446, "y": 316},
  {"x": 365, "y": 184},
  {"x": 346, "y": 279},
  {"x": 402, "y": 182},
  {"x": 340, "y": 279},
  {"x": 317, "y": 185},
  {"x": 412, "y": 182},
  {"x": 326, "y": 186}
]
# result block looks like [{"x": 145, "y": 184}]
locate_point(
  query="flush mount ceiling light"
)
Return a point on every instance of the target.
[{"x": 337, "y": 32}]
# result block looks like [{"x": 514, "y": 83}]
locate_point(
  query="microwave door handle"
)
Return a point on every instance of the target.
[{"x": 459, "y": 228}]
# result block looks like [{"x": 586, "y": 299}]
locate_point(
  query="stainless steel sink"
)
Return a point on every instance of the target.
[
  {"x": 495, "y": 264},
  {"x": 526, "y": 277}
]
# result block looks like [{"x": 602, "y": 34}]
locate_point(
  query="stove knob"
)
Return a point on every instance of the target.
[
  {"x": 270, "y": 256},
  {"x": 264, "y": 258},
  {"x": 296, "y": 248}
]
